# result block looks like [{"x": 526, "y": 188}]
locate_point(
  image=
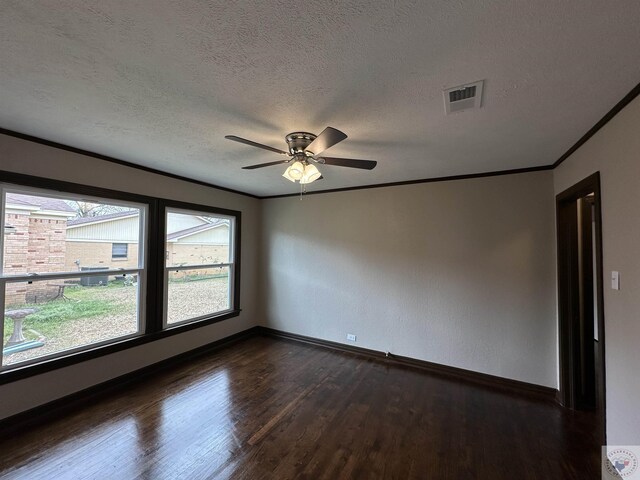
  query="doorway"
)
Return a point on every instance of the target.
[{"x": 580, "y": 299}]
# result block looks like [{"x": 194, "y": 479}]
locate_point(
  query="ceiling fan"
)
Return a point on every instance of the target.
[{"x": 304, "y": 151}]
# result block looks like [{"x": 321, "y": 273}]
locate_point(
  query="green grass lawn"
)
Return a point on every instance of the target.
[
  {"x": 82, "y": 302},
  {"x": 110, "y": 308}
]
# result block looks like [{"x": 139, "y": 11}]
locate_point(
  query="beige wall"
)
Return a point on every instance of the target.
[
  {"x": 615, "y": 152},
  {"x": 459, "y": 273},
  {"x": 30, "y": 158},
  {"x": 98, "y": 254}
]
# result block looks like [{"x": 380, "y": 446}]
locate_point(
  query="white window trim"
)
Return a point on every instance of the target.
[
  {"x": 168, "y": 269},
  {"x": 141, "y": 270}
]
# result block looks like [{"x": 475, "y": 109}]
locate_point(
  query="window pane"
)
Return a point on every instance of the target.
[
  {"x": 198, "y": 292},
  {"x": 45, "y": 234},
  {"x": 44, "y": 317},
  {"x": 194, "y": 239},
  {"x": 119, "y": 250}
]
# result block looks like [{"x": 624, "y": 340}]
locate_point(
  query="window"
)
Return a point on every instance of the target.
[
  {"x": 199, "y": 265},
  {"x": 59, "y": 292},
  {"x": 86, "y": 271},
  {"x": 119, "y": 250}
]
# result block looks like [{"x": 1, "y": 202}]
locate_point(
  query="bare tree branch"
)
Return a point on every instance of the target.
[{"x": 89, "y": 209}]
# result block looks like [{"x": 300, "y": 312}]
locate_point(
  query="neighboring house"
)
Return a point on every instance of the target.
[
  {"x": 41, "y": 231},
  {"x": 103, "y": 241},
  {"x": 201, "y": 244},
  {"x": 112, "y": 241},
  {"x": 35, "y": 232}
]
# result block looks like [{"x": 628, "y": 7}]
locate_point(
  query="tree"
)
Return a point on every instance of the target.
[{"x": 90, "y": 209}]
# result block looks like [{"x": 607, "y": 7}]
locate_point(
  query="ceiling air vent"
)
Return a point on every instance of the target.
[{"x": 464, "y": 97}]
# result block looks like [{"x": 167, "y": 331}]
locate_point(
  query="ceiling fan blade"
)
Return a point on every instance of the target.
[
  {"x": 350, "y": 162},
  {"x": 261, "y": 165},
  {"x": 328, "y": 138},
  {"x": 254, "y": 144}
]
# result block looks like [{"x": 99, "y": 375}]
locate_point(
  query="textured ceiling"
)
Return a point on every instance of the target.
[{"x": 159, "y": 83}]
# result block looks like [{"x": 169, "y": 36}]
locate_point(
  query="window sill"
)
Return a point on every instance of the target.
[{"x": 19, "y": 373}]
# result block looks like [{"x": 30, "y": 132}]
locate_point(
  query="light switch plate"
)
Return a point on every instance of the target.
[{"x": 615, "y": 280}]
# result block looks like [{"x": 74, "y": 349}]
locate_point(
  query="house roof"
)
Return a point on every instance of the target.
[
  {"x": 197, "y": 229},
  {"x": 101, "y": 218},
  {"x": 83, "y": 221},
  {"x": 44, "y": 203}
]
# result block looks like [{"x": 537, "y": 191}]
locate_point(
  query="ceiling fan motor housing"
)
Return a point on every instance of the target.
[
  {"x": 299, "y": 141},
  {"x": 298, "y": 144}
]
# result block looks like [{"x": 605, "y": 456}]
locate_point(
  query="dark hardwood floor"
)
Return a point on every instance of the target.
[{"x": 267, "y": 408}]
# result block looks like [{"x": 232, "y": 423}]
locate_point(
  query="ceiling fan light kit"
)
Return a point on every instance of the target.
[
  {"x": 304, "y": 150},
  {"x": 303, "y": 172},
  {"x": 311, "y": 174},
  {"x": 295, "y": 171}
]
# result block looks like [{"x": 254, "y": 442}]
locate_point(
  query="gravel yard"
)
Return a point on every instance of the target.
[
  {"x": 187, "y": 299},
  {"x": 193, "y": 299}
]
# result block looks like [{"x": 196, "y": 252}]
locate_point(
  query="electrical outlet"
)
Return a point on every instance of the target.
[{"x": 351, "y": 337}]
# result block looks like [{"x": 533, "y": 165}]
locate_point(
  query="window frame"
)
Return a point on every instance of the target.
[
  {"x": 120, "y": 257},
  {"x": 167, "y": 206},
  {"x": 140, "y": 269},
  {"x": 150, "y": 303},
  {"x": 168, "y": 269}
]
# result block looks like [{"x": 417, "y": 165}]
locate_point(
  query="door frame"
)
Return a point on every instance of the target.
[{"x": 564, "y": 201}]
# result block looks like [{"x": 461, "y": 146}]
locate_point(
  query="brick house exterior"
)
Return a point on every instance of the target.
[
  {"x": 191, "y": 240},
  {"x": 202, "y": 244},
  {"x": 90, "y": 241},
  {"x": 41, "y": 235},
  {"x": 34, "y": 242}
]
